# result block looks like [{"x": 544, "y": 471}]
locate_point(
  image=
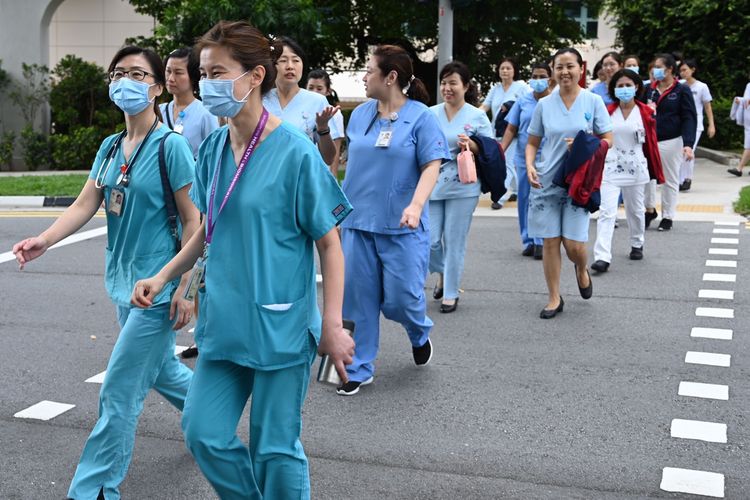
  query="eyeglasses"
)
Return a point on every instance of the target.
[{"x": 134, "y": 74}]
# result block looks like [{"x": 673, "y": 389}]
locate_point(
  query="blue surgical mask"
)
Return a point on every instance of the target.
[
  {"x": 659, "y": 74},
  {"x": 625, "y": 94},
  {"x": 539, "y": 85},
  {"x": 634, "y": 69},
  {"x": 218, "y": 97},
  {"x": 130, "y": 96}
]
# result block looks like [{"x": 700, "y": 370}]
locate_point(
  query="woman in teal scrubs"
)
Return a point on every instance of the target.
[
  {"x": 396, "y": 147},
  {"x": 267, "y": 197},
  {"x": 452, "y": 203},
  {"x": 552, "y": 216},
  {"x": 126, "y": 177},
  {"x": 308, "y": 111}
]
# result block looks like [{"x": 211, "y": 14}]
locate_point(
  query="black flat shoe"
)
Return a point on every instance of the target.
[
  {"x": 650, "y": 216},
  {"x": 528, "y": 251},
  {"x": 538, "y": 252},
  {"x": 190, "y": 352},
  {"x": 551, "y": 313},
  {"x": 735, "y": 171},
  {"x": 600, "y": 266},
  {"x": 587, "y": 292},
  {"x": 437, "y": 293},
  {"x": 445, "y": 308},
  {"x": 496, "y": 205}
]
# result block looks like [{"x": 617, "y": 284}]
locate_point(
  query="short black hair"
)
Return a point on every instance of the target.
[{"x": 193, "y": 65}]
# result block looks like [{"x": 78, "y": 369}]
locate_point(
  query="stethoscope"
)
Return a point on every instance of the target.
[{"x": 124, "y": 178}]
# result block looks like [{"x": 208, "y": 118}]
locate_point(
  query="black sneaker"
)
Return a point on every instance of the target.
[
  {"x": 351, "y": 388},
  {"x": 190, "y": 352},
  {"x": 600, "y": 266},
  {"x": 513, "y": 197},
  {"x": 735, "y": 171},
  {"x": 422, "y": 355},
  {"x": 528, "y": 251},
  {"x": 650, "y": 216},
  {"x": 538, "y": 252},
  {"x": 665, "y": 225},
  {"x": 686, "y": 185},
  {"x": 636, "y": 253},
  {"x": 496, "y": 205}
]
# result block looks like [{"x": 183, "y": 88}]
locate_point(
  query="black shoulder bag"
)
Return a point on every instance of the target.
[{"x": 169, "y": 201}]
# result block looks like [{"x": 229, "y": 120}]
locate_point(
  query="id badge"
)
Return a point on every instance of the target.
[
  {"x": 384, "y": 139},
  {"x": 196, "y": 279},
  {"x": 116, "y": 201},
  {"x": 640, "y": 136},
  {"x": 179, "y": 128}
]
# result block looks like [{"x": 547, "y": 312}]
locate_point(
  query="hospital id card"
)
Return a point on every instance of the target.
[
  {"x": 640, "y": 136},
  {"x": 196, "y": 279},
  {"x": 116, "y": 201},
  {"x": 384, "y": 139}
]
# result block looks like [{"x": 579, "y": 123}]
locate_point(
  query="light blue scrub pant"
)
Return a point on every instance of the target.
[
  {"x": 274, "y": 467},
  {"x": 524, "y": 188},
  {"x": 143, "y": 357},
  {"x": 511, "y": 181},
  {"x": 450, "y": 221},
  {"x": 384, "y": 272}
]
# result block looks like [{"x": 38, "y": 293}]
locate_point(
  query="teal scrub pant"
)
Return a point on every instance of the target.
[
  {"x": 274, "y": 466},
  {"x": 143, "y": 357},
  {"x": 384, "y": 272}
]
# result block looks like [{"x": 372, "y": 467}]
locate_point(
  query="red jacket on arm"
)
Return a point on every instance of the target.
[{"x": 651, "y": 146}]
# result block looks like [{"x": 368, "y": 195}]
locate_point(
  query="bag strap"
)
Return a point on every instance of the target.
[
  {"x": 169, "y": 118},
  {"x": 169, "y": 201}
]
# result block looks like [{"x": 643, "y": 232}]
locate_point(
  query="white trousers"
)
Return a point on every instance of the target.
[
  {"x": 688, "y": 166},
  {"x": 671, "y": 159},
  {"x": 605, "y": 225}
]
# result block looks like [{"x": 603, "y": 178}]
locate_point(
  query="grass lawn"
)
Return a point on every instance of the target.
[
  {"x": 742, "y": 206},
  {"x": 42, "y": 185}
]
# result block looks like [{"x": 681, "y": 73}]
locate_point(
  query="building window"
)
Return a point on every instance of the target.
[{"x": 587, "y": 17}]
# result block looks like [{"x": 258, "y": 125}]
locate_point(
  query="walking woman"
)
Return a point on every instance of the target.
[
  {"x": 743, "y": 101},
  {"x": 126, "y": 177},
  {"x": 510, "y": 88},
  {"x": 611, "y": 64},
  {"x": 552, "y": 216},
  {"x": 308, "y": 111},
  {"x": 267, "y": 198},
  {"x": 676, "y": 123},
  {"x": 518, "y": 124},
  {"x": 452, "y": 203},
  {"x": 319, "y": 81},
  {"x": 396, "y": 148},
  {"x": 631, "y": 162},
  {"x": 702, "y": 100},
  {"x": 185, "y": 114}
]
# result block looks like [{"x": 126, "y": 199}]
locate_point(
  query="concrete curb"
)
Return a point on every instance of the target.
[
  {"x": 35, "y": 201},
  {"x": 717, "y": 156}
]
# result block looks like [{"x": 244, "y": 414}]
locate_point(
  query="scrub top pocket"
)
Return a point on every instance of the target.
[
  {"x": 281, "y": 331},
  {"x": 399, "y": 198}
]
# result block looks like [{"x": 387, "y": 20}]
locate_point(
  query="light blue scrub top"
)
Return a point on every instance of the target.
[
  {"x": 140, "y": 242},
  {"x": 300, "y": 112},
  {"x": 380, "y": 182},
  {"x": 601, "y": 89},
  {"x": 259, "y": 303},
  {"x": 197, "y": 122},
  {"x": 554, "y": 122},
  {"x": 520, "y": 117},
  {"x": 499, "y": 96},
  {"x": 469, "y": 120}
]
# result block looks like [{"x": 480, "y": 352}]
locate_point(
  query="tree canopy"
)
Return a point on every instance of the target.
[
  {"x": 337, "y": 34},
  {"x": 713, "y": 32}
]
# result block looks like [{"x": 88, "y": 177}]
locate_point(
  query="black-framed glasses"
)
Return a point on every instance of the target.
[{"x": 134, "y": 74}]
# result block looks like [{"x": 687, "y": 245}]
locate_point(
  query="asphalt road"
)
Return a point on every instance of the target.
[{"x": 510, "y": 407}]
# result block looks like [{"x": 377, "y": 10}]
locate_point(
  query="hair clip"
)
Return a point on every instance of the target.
[{"x": 412, "y": 78}]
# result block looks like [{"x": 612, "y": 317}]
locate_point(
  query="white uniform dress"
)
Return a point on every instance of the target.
[
  {"x": 626, "y": 170},
  {"x": 701, "y": 96}
]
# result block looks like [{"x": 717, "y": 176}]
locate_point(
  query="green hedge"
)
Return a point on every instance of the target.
[{"x": 729, "y": 135}]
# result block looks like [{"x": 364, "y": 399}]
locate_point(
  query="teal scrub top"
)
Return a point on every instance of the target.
[
  {"x": 469, "y": 120},
  {"x": 602, "y": 90},
  {"x": 139, "y": 241},
  {"x": 380, "y": 182},
  {"x": 196, "y": 121},
  {"x": 520, "y": 116},
  {"x": 259, "y": 302},
  {"x": 300, "y": 112},
  {"x": 499, "y": 96},
  {"x": 554, "y": 122}
]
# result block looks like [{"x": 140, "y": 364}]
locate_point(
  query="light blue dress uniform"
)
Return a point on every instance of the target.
[
  {"x": 259, "y": 324},
  {"x": 602, "y": 90},
  {"x": 520, "y": 117},
  {"x": 551, "y": 211},
  {"x": 139, "y": 244},
  {"x": 197, "y": 123},
  {"x": 452, "y": 203},
  {"x": 386, "y": 265},
  {"x": 300, "y": 112},
  {"x": 494, "y": 100}
]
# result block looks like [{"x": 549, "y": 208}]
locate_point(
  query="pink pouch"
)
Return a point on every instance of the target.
[{"x": 467, "y": 169}]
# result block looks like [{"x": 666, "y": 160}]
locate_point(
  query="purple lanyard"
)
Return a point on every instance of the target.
[{"x": 211, "y": 223}]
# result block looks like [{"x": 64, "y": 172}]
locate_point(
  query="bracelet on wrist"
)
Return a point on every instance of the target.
[{"x": 324, "y": 132}]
